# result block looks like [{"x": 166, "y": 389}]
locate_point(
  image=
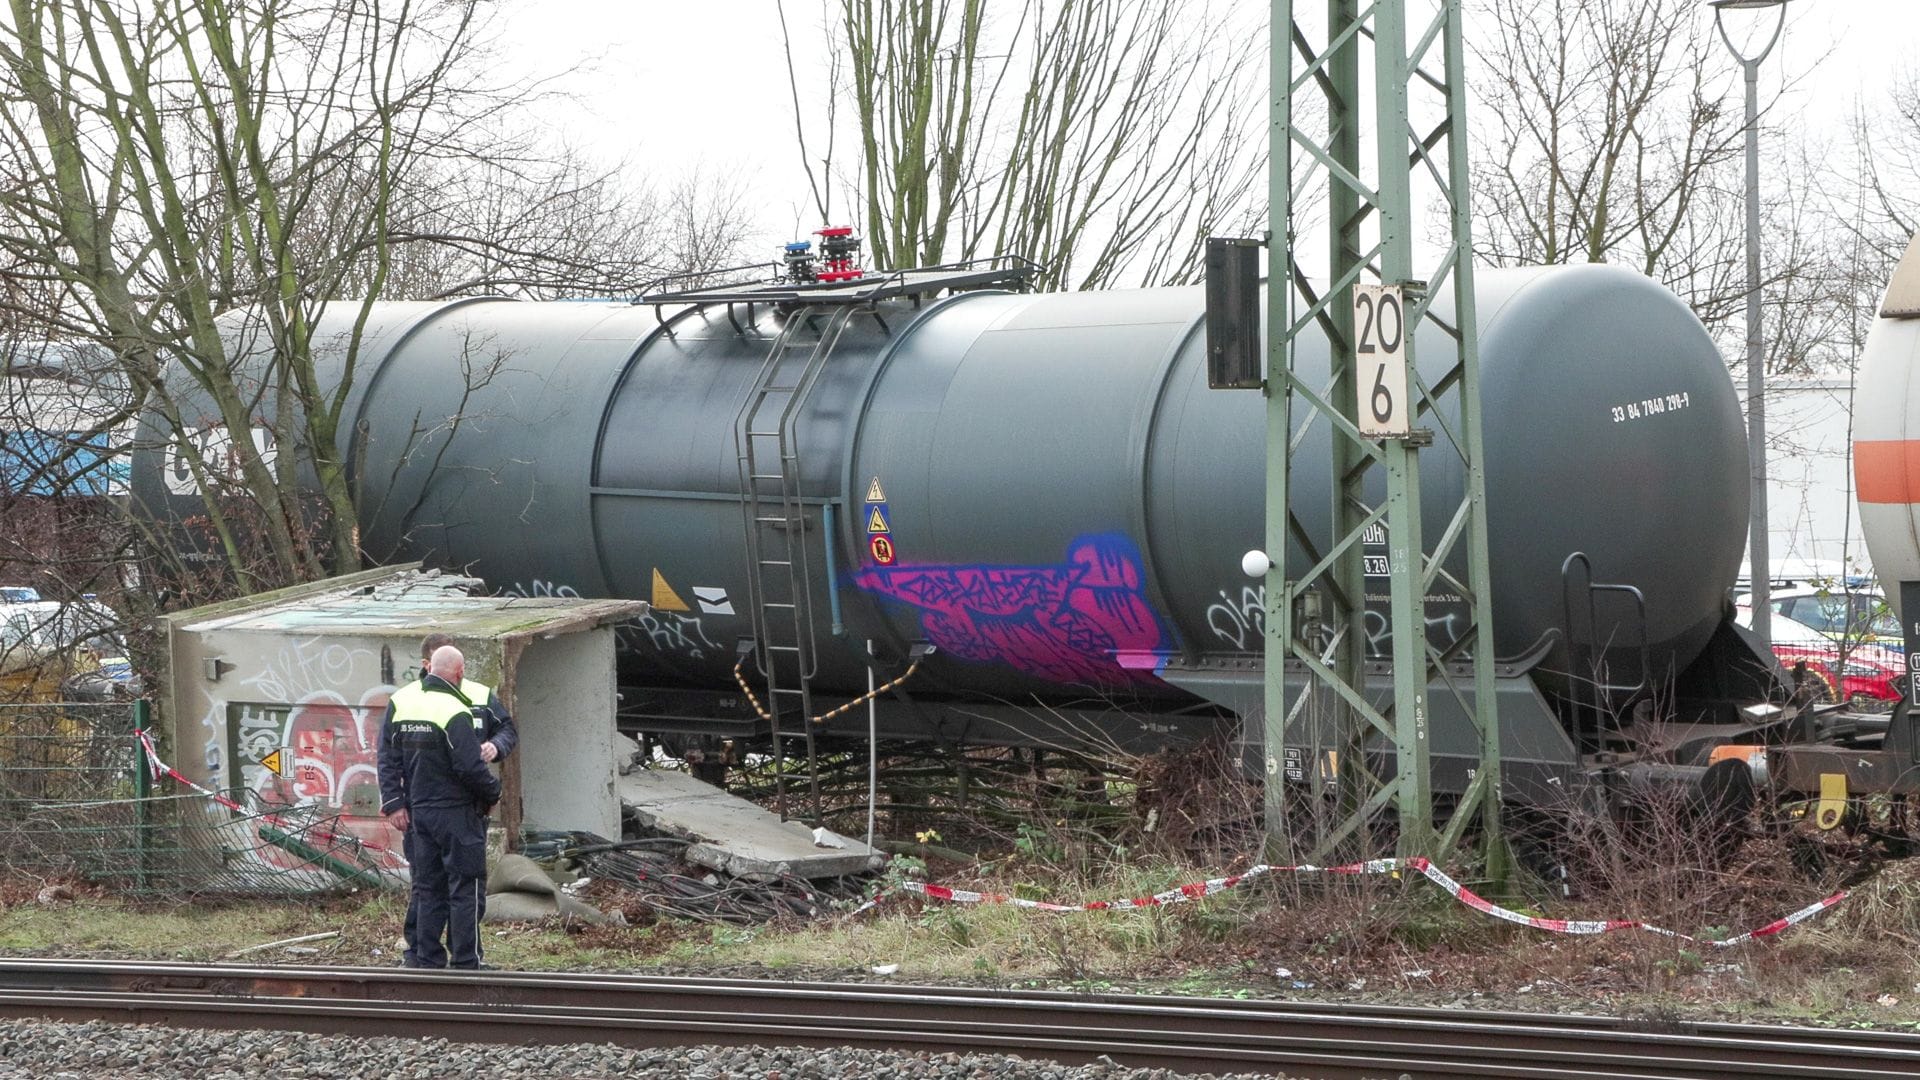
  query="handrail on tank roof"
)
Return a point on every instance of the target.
[{"x": 996, "y": 268}]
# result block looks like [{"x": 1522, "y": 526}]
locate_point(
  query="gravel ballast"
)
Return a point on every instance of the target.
[{"x": 48, "y": 1050}]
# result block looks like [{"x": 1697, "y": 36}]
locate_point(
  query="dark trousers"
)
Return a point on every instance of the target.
[{"x": 446, "y": 849}]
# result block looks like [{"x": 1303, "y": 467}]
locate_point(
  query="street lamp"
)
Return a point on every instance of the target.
[{"x": 1760, "y": 567}]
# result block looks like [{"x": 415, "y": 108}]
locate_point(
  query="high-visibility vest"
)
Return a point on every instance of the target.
[
  {"x": 478, "y": 693},
  {"x": 436, "y": 710}
]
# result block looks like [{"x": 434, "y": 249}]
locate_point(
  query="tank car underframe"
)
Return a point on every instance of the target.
[
  {"x": 1732, "y": 694},
  {"x": 1547, "y": 763},
  {"x": 1877, "y": 754},
  {"x": 1096, "y": 725}
]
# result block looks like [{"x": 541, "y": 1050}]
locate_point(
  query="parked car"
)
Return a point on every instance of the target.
[
  {"x": 67, "y": 651},
  {"x": 1854, "y": 615},
  {"x": 1862, "y": 675}
]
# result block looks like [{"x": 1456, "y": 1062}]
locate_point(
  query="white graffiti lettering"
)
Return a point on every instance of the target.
[
  {"x": 1380, "y": 634},
  {"x": 305, "y": 667},
  {"x": 675, "y": 633},
  {"x": 219, "y": 458},
  {"x": 539, "y": 587},
  {"x": 1241, "y": 622}
]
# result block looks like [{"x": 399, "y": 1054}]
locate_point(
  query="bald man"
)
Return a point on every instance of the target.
[
  {"x": 436, "y": 788},
  {"x": 492, "y": 725},
  {"x": 498, "y": 734}
]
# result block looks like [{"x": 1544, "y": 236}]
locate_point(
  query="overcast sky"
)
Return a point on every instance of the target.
[{"x": 667, "y": 84}]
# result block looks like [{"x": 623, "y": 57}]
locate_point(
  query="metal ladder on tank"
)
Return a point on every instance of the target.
[
  {"x": 1590, "y": 688},
  {"x": 779, "y": 575}
]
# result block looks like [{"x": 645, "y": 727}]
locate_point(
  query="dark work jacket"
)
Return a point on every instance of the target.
[
  {"x": 489, "y": 715},
  {"x": 430, "y": 753}
]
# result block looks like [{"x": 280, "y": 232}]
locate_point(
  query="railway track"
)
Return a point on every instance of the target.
[{"x": 1347, "y": 1042}]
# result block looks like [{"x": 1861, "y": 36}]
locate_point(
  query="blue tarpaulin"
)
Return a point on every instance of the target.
[{"x": 59, "y": 463}]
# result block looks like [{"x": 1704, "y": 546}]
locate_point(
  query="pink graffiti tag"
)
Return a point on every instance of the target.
[{"x": 1085, "y": 621}]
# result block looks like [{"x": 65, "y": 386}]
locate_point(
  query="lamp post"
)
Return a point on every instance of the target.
[{"x": 1760, "y": 566}]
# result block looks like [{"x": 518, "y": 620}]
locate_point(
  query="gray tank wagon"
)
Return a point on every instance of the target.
[{"x": 1043, "y": 489}]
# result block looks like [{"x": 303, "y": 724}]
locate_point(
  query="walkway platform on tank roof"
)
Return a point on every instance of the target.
[{"x": 1011, "y": 272}]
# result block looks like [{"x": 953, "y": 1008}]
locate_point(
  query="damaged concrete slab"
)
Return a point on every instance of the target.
[{"x": 737, "y": 837}]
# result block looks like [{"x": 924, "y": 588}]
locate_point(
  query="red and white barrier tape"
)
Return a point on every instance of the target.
[
  {"x": 160, "y": 770},
  {"x": 1198, "y": 889}
]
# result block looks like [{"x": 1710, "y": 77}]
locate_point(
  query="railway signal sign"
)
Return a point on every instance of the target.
[{"x": 1380, "y": 346}]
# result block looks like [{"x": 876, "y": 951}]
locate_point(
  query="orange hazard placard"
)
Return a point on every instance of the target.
[{"x": 882, "y": 549}]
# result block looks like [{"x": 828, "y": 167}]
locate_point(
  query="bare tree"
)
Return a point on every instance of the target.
[
  {"x": 1887, "y": 140},
  {"x": 1100, "y": 138},
  {"x": 1606, "y": 135},
  {"x": 210, "y": 174},
  {"x": 1864, "y": 186},
  {"x": 163, "y": 160},
  {"x": 547, "y": 222},
  {"x": 1611, "y": 131},
  {"x": 702, "y": 222}
]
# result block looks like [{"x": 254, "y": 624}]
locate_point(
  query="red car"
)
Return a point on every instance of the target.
[{"x": 1863, "y": 676}]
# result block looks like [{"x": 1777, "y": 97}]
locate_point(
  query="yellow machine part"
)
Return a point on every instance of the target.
[{"x": 1832, "y": 807}]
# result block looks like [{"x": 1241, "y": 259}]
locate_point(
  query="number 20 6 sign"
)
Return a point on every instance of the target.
[{"x": 1380, "y": 376}]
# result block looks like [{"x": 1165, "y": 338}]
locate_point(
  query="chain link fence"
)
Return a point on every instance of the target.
[
  {"x": 81, "y": 799},
  {"x": 69, "y": 804}
]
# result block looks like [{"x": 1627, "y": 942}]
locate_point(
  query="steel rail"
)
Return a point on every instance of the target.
[{"x": 1192, "y": 1034}]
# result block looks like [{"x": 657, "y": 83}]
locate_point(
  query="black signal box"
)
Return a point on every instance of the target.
[{"x": 1234, "y": 350}]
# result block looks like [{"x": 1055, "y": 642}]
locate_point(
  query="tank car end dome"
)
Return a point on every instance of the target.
[{"x": 1886, "y": 431}]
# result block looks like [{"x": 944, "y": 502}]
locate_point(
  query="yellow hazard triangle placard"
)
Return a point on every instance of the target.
[
  {"x": 877, "y": 519},
  {"x": 273, "y": 762},
  {"x": 876, "y": 493},
  {"x": 664, "y": 598}
]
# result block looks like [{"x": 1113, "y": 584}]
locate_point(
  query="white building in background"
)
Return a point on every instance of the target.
[{"x": 1813, "y": 523}]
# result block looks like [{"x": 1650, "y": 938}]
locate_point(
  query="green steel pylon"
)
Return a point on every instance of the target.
[{"x": 1365, "y": 146}]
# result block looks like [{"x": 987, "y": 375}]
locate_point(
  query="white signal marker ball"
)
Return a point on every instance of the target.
[{"x": 1255, "y": 564}]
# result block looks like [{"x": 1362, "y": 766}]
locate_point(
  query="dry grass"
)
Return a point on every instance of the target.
[
  {"x": 1367, "y": 939},
  {"x": 1184, "y": 819}
]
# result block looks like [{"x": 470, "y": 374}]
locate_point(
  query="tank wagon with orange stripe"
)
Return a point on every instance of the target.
[
  {"x": 1023, "y": 514},
  {"x": 1881, "y": 756}
]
